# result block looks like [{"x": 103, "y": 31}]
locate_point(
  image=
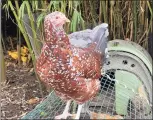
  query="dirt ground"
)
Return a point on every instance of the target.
[{"x": 21, "y": 93}]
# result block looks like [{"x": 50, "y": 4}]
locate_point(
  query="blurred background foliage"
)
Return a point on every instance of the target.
[{"x": 128, "y": 20}]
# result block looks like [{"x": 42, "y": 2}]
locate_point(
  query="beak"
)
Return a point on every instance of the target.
[{"x": 67, "y": 20}]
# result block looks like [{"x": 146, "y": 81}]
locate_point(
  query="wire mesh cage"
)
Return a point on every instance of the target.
[
  {"x": 115, "y": 98},
  {"x": 103, "y": 105},
  {"x": 125, "y": 93}
]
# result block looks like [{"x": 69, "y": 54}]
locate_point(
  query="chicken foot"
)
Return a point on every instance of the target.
[{"x": 65, "y": 113}]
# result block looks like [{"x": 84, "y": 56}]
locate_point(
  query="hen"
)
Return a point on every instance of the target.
[{"x": 71, "y": 65}]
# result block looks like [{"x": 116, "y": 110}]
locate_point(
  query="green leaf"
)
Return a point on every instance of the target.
[
  {"x": 36, "y": 4},
  {"x": 74, "y": 21},
  {"x": 6, "y": 8},
  {"x": 40, "y": 19},
  {"x": 21, "y": 10},
  {"x": 76, "y": 4},
  {"x": 50, "y": 5}
]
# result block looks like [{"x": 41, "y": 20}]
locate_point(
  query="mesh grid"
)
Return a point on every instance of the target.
[{"x": 103, "y": 103}]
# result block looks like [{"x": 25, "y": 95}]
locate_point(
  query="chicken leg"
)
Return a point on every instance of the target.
[
  {"x": 65, "y": 113},
  {"x": 79, "y": 111}
]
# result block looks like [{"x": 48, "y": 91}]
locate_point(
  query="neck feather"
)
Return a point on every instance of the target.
[{"x": 54, "y": 34}]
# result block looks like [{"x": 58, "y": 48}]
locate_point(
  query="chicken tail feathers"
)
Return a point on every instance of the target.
[{"x": 101, "y": 37}]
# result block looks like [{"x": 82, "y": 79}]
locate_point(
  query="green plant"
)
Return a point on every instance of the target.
[{"x": 126, "y": 19}]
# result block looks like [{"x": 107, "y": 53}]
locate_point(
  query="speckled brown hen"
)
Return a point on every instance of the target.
[{"x": 73, "y": 71}]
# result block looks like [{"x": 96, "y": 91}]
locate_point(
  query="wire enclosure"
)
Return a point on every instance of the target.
[{"x": 103, "y": 103}]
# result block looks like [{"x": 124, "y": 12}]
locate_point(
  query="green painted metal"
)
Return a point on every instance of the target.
[
  {"x": 122, "y": 94},
  {"x": 133, "y": 48}
]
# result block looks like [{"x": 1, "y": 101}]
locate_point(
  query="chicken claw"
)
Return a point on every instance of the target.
[
  {"x": 65, "y": 113},
  {"x": 63, "y": 116}
]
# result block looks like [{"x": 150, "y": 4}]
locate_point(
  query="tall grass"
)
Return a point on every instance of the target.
[{"x": 126, "y": 19}]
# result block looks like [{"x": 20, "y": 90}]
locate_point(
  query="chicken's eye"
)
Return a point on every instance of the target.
[
  {"x": 57, "y": 17},
  {"x": 62, "y": 45}
]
